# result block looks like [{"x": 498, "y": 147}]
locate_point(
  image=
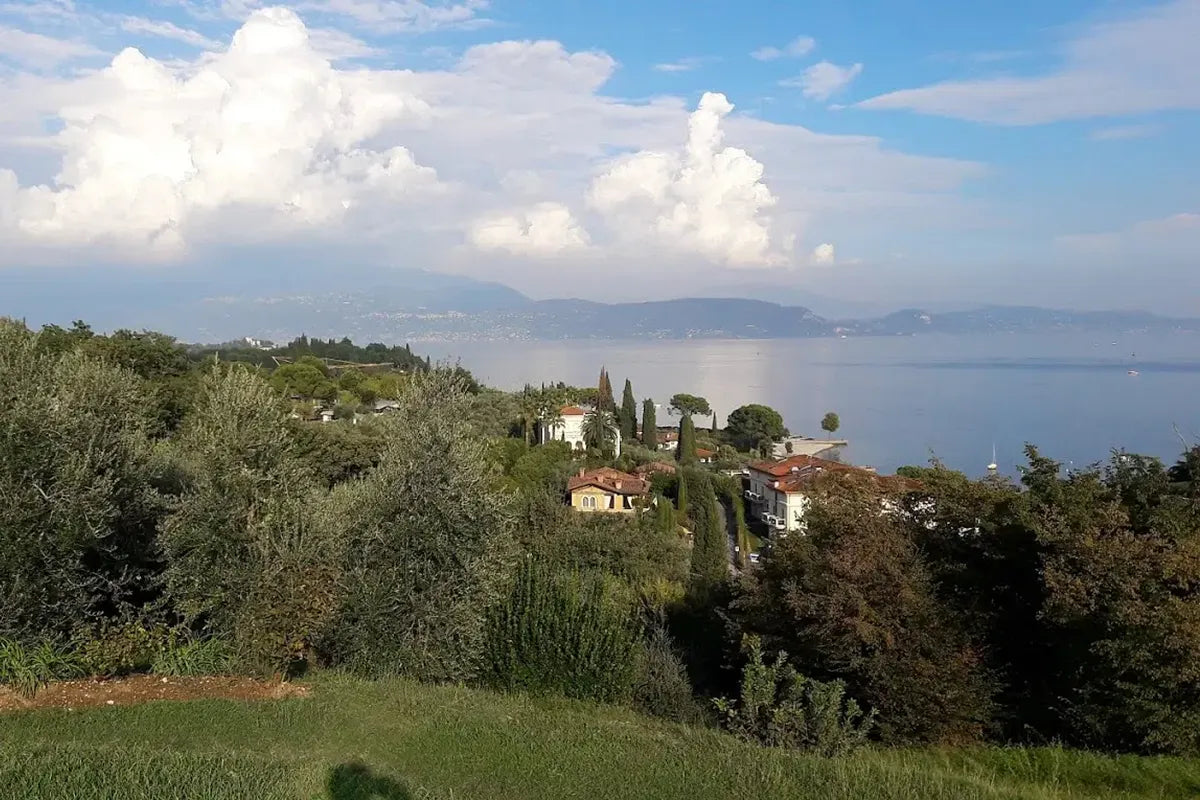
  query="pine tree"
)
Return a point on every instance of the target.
[
  {"x": 649, "y": 425},
  {"x": 628, "y": 415},
  {"x": 686, "y": 453},
  {"x": 604, "y": 393}
]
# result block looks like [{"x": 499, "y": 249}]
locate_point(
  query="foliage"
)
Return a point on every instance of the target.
[
  {"x": 751, "y": 426},
  {"x": 662, "y": 688},
  {"x": 337, "y": 453},
  {"x": 710, "y": 547},
  {"x": 830, "y": 423},
  {"x": 185, "y": 657},
  {"x": 429, "y": 535},
  {"x": 79, "y": 503},
  {"x": 854, "y": 600},
  {"x": 628, "y": 413},
  {"x": 686, "y": 451},
  {"x": 599, "y": 429},
  {"x": 28, "y": 669},
  {"x": 779, "y": 707},
  {"x": 563, "y": 633},
  {"x": 253, "y": 555},
  {"x": 604, "y": 394},
  {"x": 649, "y": 425},
  {"x": 124, "y": 649},
  {"x": 687, "y": 405}
]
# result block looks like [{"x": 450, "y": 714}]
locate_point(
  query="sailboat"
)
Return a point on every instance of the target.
[{"x": 992, "y": 467}]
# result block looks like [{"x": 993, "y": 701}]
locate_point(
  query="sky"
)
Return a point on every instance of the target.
[{"x": 886, "y": 152}]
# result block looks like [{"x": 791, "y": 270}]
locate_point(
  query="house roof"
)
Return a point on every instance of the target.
[
  {"x": 796, "y": 474},
  {"x": 610, "y": 480},
  {"x": 573, "y": 411},
  {"x": 655, "y": 466},
  {"x": 702, "y": 453}
]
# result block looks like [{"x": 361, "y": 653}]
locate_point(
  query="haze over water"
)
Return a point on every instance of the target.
[{"x": 902, "y": 399}]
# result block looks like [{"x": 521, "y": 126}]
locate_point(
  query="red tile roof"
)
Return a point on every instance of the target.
[
  {"x": 702, "y": 453},
  {"x": 610, "y": 480},
  {"x": 796, "y": 474},
  {"x": 655, "y": 466},
  {"x": 573, "y": 411}
]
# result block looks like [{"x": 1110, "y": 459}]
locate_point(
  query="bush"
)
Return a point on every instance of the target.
[
  {"x": 27, "y": 669},
  {"x": 563, "y": 634},
  {"x": 428, "y": 543},
  {"x": 662, "y": 688},
  {"x": 779, "y": 707},
  {"x": 122, "y": 649},
  {"x": 183, "y": 656}
]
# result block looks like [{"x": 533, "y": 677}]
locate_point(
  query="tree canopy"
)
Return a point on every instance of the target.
[
  {"x": 751, "y": 425},
  {"x": 689, "y": 404}
]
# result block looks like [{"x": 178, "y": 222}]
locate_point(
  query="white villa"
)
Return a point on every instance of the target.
[{"x": 569, "y": 429}]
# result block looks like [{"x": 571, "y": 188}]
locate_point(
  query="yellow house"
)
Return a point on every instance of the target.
[{"x": 607, "y": 489}]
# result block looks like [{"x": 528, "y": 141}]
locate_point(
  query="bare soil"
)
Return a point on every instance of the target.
[{"x": 145, "y": 689}]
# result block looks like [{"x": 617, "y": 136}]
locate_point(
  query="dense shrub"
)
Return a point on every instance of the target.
[
  {"x": 779, "y": 707},
  {"x": 78, "y": 506},
  {"x": 253, "y": 554},
  {"x": 116, "y": 650},
  {"x": 854, "y": 600},
  {"x": 429, "y": 543},
  {"x": 563, "y": 633},
  {"x": 662, "y": 688}
]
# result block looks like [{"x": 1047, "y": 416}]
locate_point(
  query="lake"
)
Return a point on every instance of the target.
[{"x": 903, "y": 399}]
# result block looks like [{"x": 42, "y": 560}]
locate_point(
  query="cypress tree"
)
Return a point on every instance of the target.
[
  {"x": 681, "y": 501},
  {"x": 649, "y": 425},
  {"x": 628, "y": 414},
  {"x": 604, "y": 393},
  {"x": 715, "y": 429},
  {"x": 686, "y": 453},
  {"x": 710, "y": 550}
]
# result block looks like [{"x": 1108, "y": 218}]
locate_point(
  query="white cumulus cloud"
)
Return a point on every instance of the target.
[
  {"x": 542, "y": 230},
  {"x": 266, "y": 132},
  {"x": 707, "y": 200},
  {"x": 824, "y": 79},
  {"x": 824, "y": 255},
  {"x": 38, "y": 50}
]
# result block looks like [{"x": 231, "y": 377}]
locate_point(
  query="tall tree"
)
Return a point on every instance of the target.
[
  {"x": 715, "y": 429},
  {"x": 686, "y": 452},
  {"x": 689, "y": 404},
  {"x": 649, "y": 425},
  {"x": 599, "y": 429},
  {"x": 604, "y": 393},
  {"x": 752, "y": 425},
  {"x": 830, "y": 423},
  {"x": 710, "y": 547},
  {"x": 628, "y": 413}
]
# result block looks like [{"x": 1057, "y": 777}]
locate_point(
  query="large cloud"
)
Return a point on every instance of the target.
[
  {"x": 267, "y": 128},
  {"x": 707, "y": 200},
  {"x": 546, "y": 229}
]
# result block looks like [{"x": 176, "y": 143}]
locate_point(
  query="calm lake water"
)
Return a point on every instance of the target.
[{"x": 903, "y": 399}]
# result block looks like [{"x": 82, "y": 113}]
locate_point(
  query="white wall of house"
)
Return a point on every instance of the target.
[
  {"x": 788, "y": 506},
  {"x": 570, "y": 430}
]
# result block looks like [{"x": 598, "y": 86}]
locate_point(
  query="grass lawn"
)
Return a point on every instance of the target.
[{"x": 388, "y": 740}]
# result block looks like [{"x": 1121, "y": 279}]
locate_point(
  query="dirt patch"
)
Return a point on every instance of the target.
[{"x": 146, "y": 689}]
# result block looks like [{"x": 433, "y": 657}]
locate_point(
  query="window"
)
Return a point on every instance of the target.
[{"x": 589, "y": 501}]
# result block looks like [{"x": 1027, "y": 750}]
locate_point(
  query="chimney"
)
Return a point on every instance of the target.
[
  {"x": 582, "y": 471},
  {"x": 617, "y": 484}
]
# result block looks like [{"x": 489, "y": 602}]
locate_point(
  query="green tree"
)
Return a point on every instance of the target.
[
  {"x": 303, "y": 380},
  {"x": 830, "y": 423},
  {"x": 714, "y": 430},
  {"x": 430, "y": 533},
  {"x": 751, "y": 426},
  {"x": 77, "y": 505},
  {"x": 710, "y": 545},
  {"x": 689, "y": 404},
  {"x": 628, "y": 415},
  {"x": 604, "y": 393},
  {"x": 686, "y": 451},
  {"x": 251, "y": 552},
  {"x": 599, "y": 429},
  {"x": 854, "y": 599},
  {"x": 649, "y": 425}
]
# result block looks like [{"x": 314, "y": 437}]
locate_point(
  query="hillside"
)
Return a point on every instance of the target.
[{"x": 355, "y": 740}]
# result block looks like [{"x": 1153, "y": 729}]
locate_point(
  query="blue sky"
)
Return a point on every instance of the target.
[{"x": 882, "y": 152}]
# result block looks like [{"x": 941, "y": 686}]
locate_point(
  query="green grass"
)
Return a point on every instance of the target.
[{"x": 354, "y": 740}]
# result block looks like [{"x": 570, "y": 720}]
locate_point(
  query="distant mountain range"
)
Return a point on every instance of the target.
[{"x": 439, "y": 307}]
